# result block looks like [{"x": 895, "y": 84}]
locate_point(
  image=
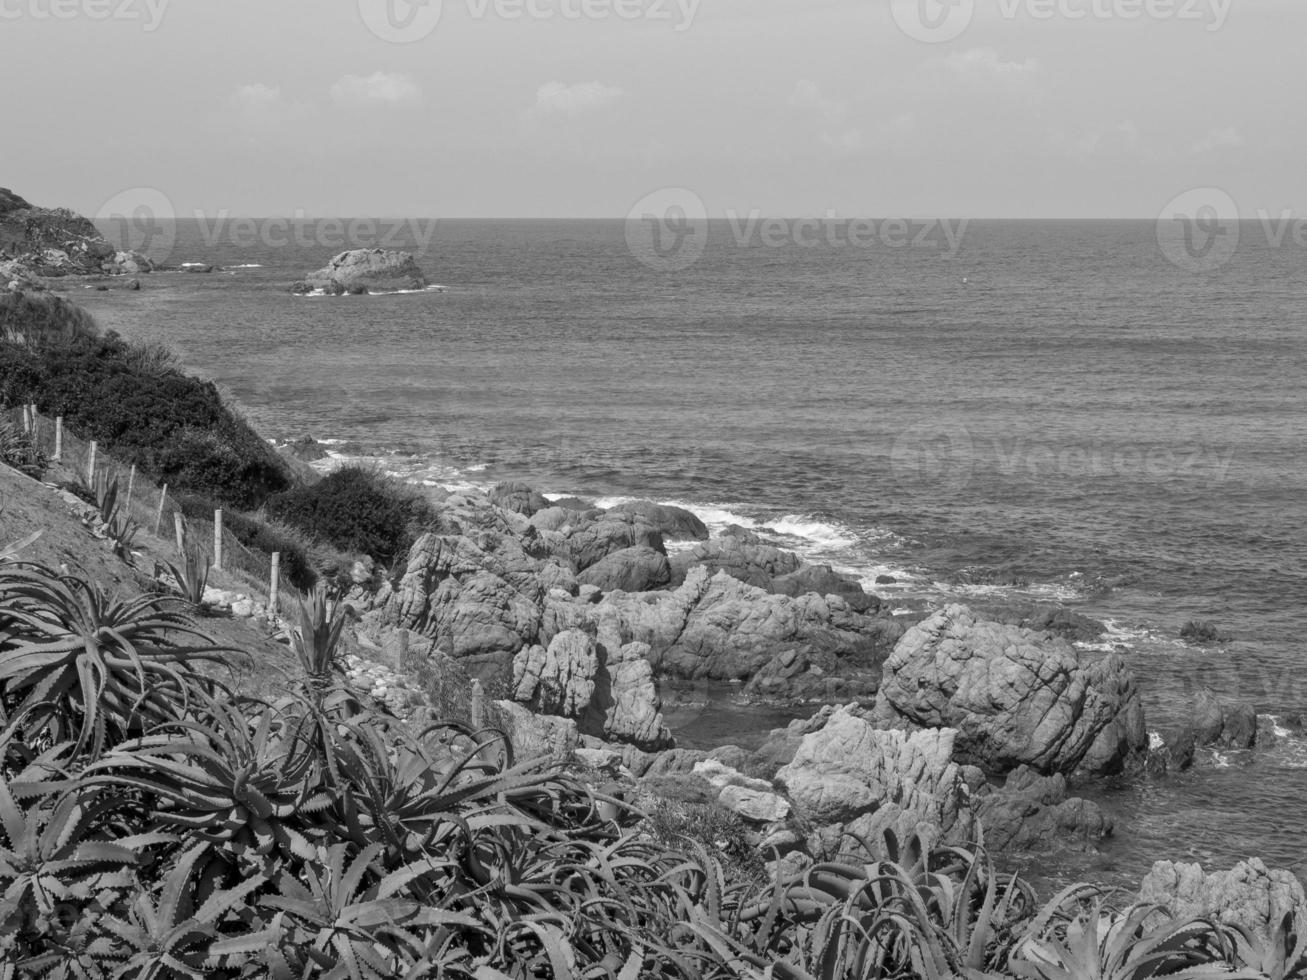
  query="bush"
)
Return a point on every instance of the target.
[
  {"x": 138, "y": 407},
  {"x": 297, "y": 564},
  {"x": 17, "y": 450},
  {"x": 357, "y": 510}
]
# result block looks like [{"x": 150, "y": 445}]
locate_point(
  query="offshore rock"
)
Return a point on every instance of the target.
[
  {"x": 365, "y": 270},
  {"x": 1014, "y": 696}
]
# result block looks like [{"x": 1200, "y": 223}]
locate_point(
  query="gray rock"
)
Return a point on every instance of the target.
[
  {"x": 368, "y": 269},
  {"x": 1014, "y": 696},
  {"x": 741, "y": 555},
  {"x": 674, "y": 523},
  {"x": 1249, "y": 895},
  {"x": 630, "y": 570},
  {"x": 823, "y": 580},
  {"x": 519, "y": 498},
  {"x": 1032, "y": 812},
  {"x": 852, "y": 778}
]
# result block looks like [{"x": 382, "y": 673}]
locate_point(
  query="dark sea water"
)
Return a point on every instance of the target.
[{"x": 1053, "y": 412}]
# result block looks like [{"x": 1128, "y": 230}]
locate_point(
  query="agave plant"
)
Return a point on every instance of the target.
[
  {"x": 191, "y": 577},
  {"x": 9, "y": 551},
  {"x": 242, "y": 785},
  {"x": 1100, "y": 944},
  {"x": 1280, "y": 956},
  {"x": 18, "y": 451},
  {"x": 345, "y": 919},
  {"x": 79, "y": 661}
]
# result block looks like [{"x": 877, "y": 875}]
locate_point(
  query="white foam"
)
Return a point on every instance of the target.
[
  {"x": 248, "y": 265},
  {"x": 821, "y": 534},
  {"x": 1155, "y": 741}
]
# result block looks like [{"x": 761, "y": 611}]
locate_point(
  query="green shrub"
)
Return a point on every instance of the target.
[
  {"x": 297, "y": 563},
  {"x": 138, "y": 407},
  {"x": 17, "y": 450},
  {"x": 357, "y": 510}
]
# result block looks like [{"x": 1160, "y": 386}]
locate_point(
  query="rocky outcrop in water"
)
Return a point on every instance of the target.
[
  {"x": 1015, "y": 697},
  {"x": 365, "y": 270}
]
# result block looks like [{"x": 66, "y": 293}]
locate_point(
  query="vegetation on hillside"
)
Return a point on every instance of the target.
[
  {"x": 133, "y": 401},
  {"x": 357, "y": 509},
  {"x": 154, "y": 824}
]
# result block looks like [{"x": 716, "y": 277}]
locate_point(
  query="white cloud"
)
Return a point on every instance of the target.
[
  {"x": 573, "y": 100},
  {"x": 394, "y": 89},
  {"x": 831, "y": 114},
  {"x": 985, "y": 63},
  {"x": 257, "y": 95},
  {"x": 1120, "y": 138},
  {"x": 1219, "y": 139}
]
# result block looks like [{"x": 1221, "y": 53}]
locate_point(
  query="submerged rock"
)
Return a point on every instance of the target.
[{"x": 1014, "y": 696}]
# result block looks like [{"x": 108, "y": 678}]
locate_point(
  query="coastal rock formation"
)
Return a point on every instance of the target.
[
  {"x": 824, "y": 580},
  {"x": 673, "y": 523},
  {"x": 518, "y": 497},
  {"x": 365, "y": 270},
  {"x": 1231, "y": 725},
  {"x": 37, "y": 241},
  {"x": 630, "y": 570},
  {"x": 1248, "y": 895},
  {"x": 742, "y": 555},
  {"x": 1031, "y": 812},
  {"x": 1015, "y": 697},
  {"x": 755, "y": 800},
  {"x": 850, "y": 777}
]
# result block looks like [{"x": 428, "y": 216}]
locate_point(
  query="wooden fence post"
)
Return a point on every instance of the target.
[
  {"x": 90, "y": 464},
  {"x": 158, "y": 518},
  {"x": 131, "y": 483},
  {"x": 276, "y": 585},
  {"x": 27, "y": 422},
  {"x": 58, "y": 437},
  {"x": 180, "y": 532},
  {"x": 217, "y": 539}
]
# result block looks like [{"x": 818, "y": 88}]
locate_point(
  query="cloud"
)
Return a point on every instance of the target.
[
  {"x": 985, "y": 63},
  {"x": 1219, "y": 139},
  {"x": 573, "y": 100},
  {"x": 257, "y": 95},
  {"x": 384, "y": 87},
  {"x": 1120, "y": 138},
  {"x": 831, "y": 114}
]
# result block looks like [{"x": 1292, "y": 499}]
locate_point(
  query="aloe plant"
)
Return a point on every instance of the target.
[
  {"x": 192, "y": 577},
  {"x": 78, "y": 661},
  {"x": 10, "y": 551}
]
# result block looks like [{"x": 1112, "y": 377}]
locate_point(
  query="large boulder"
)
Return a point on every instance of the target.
[
  {"x": 610, "y": 695},
  {"x": 1014, "y": 696},
  {"x": 1227, "y": 724},
  {"x": 852, "y": 778},
  {"x": 519, "y": 498},
  {"x": 1033, "y": 812},
  {"x": 365, "y": 270},
  {"x": 674, "y": 523},
  {"x": 824, "y": 580},
  {"x": 630, "y": 570},
  {"x": 587, "y": 541},
  {"x": 1249, "y": 895},
  {"x": 127, "y": 264},
  {"x": 742, "y": 555}
]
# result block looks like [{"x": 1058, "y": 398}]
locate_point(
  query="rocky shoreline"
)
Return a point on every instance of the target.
[{"x": 560, "y": 624}]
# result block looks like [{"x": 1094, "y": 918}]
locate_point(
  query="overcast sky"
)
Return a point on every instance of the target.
[{"x": 1036, "y": 108}]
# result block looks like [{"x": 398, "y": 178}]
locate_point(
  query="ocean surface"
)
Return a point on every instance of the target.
[{"x": 1045, "y": 411}]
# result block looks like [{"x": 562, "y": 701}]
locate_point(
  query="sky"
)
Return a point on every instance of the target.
[{"x": 582, "y": 108}]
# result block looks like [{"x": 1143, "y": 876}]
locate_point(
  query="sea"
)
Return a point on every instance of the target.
[{"x": 981, "y": 412}]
